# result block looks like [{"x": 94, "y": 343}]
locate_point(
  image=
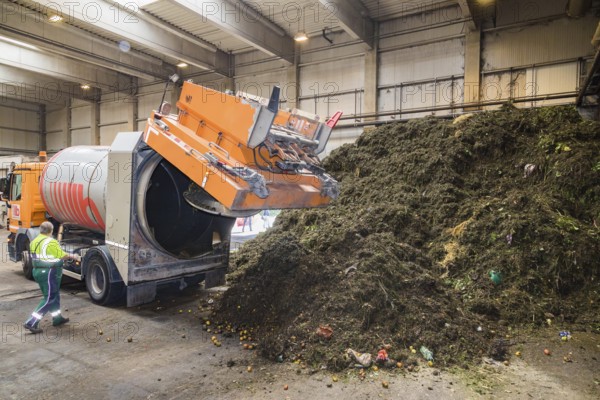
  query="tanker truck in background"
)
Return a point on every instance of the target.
[{"x": 157, "y": 207}]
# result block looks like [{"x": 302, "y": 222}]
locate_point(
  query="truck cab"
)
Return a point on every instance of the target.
[{"x": 25, "y": 210}]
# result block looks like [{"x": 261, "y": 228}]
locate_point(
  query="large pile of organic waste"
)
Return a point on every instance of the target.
[{"x": 447, "y": 234}]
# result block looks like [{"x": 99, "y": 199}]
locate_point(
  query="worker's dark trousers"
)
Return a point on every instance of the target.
[{"x": 49, "y": 281}]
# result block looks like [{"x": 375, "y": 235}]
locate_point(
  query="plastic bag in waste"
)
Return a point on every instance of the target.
[
  {"x": 363, "y": 359},
  {"x": 427, "y": 354}
]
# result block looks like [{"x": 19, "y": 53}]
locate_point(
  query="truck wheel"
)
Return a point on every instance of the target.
[
  {"x": 97, "y": 281},
  {"x": 26, "y": 260}
]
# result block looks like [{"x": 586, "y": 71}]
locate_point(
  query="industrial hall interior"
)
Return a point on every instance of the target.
[{"x": 325, "y": 199}]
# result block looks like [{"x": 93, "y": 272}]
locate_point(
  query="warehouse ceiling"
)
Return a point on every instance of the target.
[{"x": 115, "y": 45}]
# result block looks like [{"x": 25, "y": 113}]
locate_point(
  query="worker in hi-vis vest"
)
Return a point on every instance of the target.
[{"x": 47, "y": 257}]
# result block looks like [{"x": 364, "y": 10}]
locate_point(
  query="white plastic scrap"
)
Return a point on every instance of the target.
[
  {"x": 363, "y": 359},
  {"x": 528, "y": 170}
]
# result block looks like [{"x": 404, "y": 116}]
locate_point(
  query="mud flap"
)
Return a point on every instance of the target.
[
  {"x": 214, "y": 278},
  {"x": 141, "y": 293}
]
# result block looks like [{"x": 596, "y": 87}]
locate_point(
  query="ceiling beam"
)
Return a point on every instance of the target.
[
  {"x": 467, "y": 12},
  {"x": 59, "y": 67},
  {"x": 416, "y": 8},
  {"x": 354, "y": 19},
  {"x": 135, "y": 28},
  {"x": 159, "y": 23},
  {"x": 65, "y": 39},
  {"x": 18, "y": 104},
  {"x": 241, "y": 21},
  {"x": 578, "y": 8},
  {"x": 30, "y": 87}
]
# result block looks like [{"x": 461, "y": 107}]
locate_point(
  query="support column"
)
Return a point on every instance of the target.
[
  {"x": 229, "y": 84},
  {"x": 173, "y": 95},
  {"x": 42, "y": 121},
  {"x": 132, "y": 106},
  {"x": 68, "y": 123},
  {"x": 292, "y": 89},
  {"x": 132, "y": 114},
  {"x": 472, "y": 91},
  {"x": 230, "y": 81},
  {"x": 95, "y": 122},
  {"x": 371, "y": 77}
]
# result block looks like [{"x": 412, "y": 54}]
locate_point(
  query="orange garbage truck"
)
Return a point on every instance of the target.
[{"x": 157, "y": 207}]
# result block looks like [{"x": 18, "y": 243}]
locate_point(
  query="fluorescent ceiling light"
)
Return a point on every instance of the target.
[
  {"x": 182, "y": 65},
  {"x": 300, "y": 37},
  {"x": 18, "y": 43},
  {"x": 85, "y": 86},
  {"x": 55, "y": 18}
]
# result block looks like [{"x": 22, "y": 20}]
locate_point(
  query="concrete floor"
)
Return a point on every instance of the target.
[{"x": 171, "y": 357}]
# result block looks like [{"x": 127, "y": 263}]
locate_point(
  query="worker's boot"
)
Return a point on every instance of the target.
[
  {"x": 60, "y": 320},
  {"x": 32, "y": 328}
]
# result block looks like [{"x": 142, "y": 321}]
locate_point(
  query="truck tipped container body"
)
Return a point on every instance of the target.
[{"x": 157, "y": 207}]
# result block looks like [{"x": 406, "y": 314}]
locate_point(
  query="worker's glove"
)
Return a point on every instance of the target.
[{"x": 76, "y": 257}]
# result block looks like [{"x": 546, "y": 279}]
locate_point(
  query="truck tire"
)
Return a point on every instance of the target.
[
  {"x": 26, "y": 261},
  {"x": 97, "y": 280}
]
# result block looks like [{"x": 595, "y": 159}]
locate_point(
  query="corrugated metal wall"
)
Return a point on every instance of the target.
[
  {"x": 561, "y": 39},
  {"x": 256, "y": 73},
  {"x": 211, "y": 80},
  {"x": 332, "y": 76},
  {"x": 332, "y": 85},
  {"x": 19, "y": 127},
  {"x": 56, "y": 130},
  {"x": 261, "y": 84},
  {"x": 148, "y": 99},
  {"x": 81, "y": 127},
  {"x": 509, "y": 12},
  {"x": 536, "y": 61},
  {"x": 421, "y": 68},
  {"x": 116, "y": 115},
  {"x": 113, "y": 116},
  {"x": 427, "y": 76}
]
